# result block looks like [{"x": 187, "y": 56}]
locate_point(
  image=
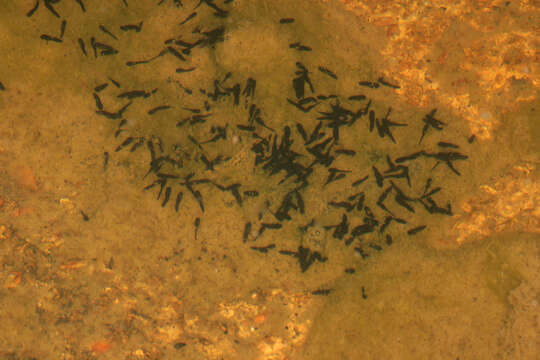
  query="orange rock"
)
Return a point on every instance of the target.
[
  {"x": 99, "y": 347},
  {"x": 23, "y": 175},
  {"x": 259, "y": 319}
]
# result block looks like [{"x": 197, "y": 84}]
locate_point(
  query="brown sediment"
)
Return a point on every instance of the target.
[{"x": 88, "y": 256}]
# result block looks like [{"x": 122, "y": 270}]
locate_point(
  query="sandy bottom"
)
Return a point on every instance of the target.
[{"x": 226, "y": 185}]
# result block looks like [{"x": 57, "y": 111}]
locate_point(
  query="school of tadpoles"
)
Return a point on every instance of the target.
[{"x": 294, "y": 154}]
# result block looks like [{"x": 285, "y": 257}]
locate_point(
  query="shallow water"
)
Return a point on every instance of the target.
[{"x": 268, "y": 180}]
